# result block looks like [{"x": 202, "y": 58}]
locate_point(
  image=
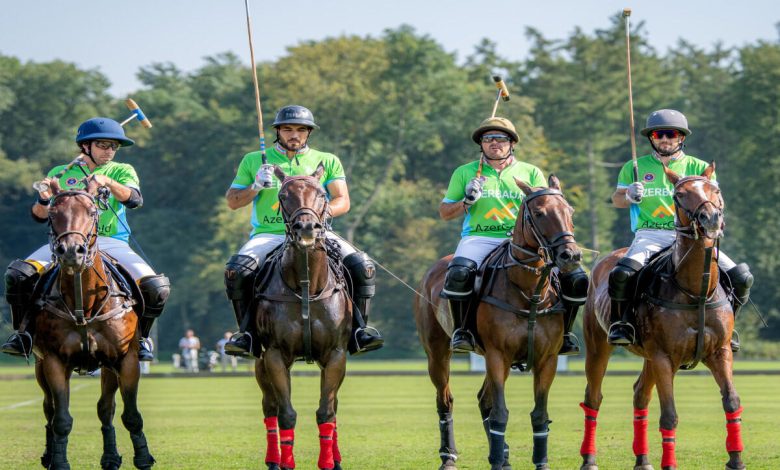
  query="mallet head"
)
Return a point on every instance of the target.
[
  {"x": 501, "y": 86},
  {"x": 137, "y": 114},
  {"x": 626, "y": 12}
]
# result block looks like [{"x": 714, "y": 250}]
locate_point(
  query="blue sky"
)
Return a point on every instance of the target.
[{"x": 119, "y": 37}]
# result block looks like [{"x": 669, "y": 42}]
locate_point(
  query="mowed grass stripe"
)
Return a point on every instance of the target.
[{"x": 389, "y": 423}]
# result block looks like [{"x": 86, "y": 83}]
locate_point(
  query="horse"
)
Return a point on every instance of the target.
[
  {"x": 516, "y": 321},
  {"x": 682, "y": 319},
  {"x": 86, "y": 322},
  {"x": 303, "y": 312}
]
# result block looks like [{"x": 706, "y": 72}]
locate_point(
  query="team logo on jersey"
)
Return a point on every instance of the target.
[
  {"x": 662, "y": 212},
  {"x": 499, "y": 215},
  {"x": 71, "y": 181},
  {"x": 648, "y": 177}
]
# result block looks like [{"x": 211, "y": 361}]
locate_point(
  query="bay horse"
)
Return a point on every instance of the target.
[
  {"x": 517, "y": 321},
  {"x": 682, "y": 319},
  {"x": 303, "y": 312},
  {"x": 86, "y": 322}
]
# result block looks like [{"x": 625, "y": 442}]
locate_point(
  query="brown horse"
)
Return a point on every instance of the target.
[
  {"x": 516, "y": 321},
  {"x": 303, "y": 312},
  {"x": 86, "y": 322},
  {"x": 684, "y": 318}
]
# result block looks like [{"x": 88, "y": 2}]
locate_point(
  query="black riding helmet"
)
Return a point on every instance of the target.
[
  {"x": 294, "y": 114},
  {"x": 666, "y": 119}
]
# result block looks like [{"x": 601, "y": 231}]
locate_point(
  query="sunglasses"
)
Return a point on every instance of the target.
[
  {"x": 495, "y": 138},
  {"x": 105, "y": 145},
  {"x": 668, "y": 133}
]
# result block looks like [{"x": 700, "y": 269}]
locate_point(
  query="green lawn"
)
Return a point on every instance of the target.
[{"x": 387, "y": 422}]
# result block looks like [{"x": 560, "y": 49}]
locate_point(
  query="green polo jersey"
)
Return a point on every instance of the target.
[
  {"x": 111, "y": 223},
  {"x": 494, "y": 214},
  {"x": 266, "y": 217},
  {"x": 656, "y": 211}
]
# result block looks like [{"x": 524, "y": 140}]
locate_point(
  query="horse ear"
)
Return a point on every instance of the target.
[
  {"x": 279, "y": 173},
  {"x": 524, "y": 187},
  {"x": 319, "y": 171},
  {"x": 553, "y": 182},
  {"x": 709, "y": 170},
  {"x": 673, "y": 177}
]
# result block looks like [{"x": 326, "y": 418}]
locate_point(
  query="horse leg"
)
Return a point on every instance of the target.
[
  {"x": 57, "y": 378},
  {"x": 497, "y": 373},
  {"x": 48, "y": 412},
  {"x": 331, "y": 378},
  {"x": 439, "y": 372},
  {"x": 129, "y": 375},
  {"x": 273, "y": 455},
  {"x": 106, "y": 408},
  {"x": 278, "y": 375},
  {"x": 643, "y": 393},
  {"x": 597, "y": 352},
  {"x": 720, "y": 364},
  {"x": 544, "y": 373},
  {"x": 664, "y": 376},
  {"x": 485, "y": 403}
]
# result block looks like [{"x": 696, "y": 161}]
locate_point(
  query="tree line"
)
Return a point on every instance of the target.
[{"x": 398, "y": 110}]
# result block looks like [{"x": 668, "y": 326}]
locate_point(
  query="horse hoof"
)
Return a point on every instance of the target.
[
  {"x": 337, "y": 466},
  {"x": 543, "y": 466},
  {"x": 644, "y": 467},
  {"x": 111, "y": 462},
  {"x": 589, "y": 466},
  {"x": 448, "y": 466},
  {"x": 740, "y": 466},
  {"x": 273, "y": 466}
]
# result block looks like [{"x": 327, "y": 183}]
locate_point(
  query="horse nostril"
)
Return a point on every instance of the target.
[
  {"x": 297, "y": 226},
  {"x": 81, "y": 250},
  {"x": 577, "y": 257},
  {"x": 60, "y": 250}
]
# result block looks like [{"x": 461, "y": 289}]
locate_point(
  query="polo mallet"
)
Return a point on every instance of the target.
[
  {"x": 40, "y": 186},
  {"x": 257, "y": 90},
  {"x": 626, "y": 15},
  {"x": 503, "y": 92}
]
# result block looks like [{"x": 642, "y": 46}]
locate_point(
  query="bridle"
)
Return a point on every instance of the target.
[
  {"x": 291, "y": 218},
  {"x": 546, "y": 247},
  {"x": 692, "y": 230},
  {"x": 90, "y": 237}
]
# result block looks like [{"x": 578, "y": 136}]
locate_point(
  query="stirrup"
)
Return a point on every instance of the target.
[
  {"x": 735, "y": 344},
  {"x": 146, "y": 344},
  {"x": 26, "y": 351},
  {"x": 232, "y": 350},
  {"x": 377, "y": 342},
  {"x": 628, "y": 340},
  {"x": 575, "y": 351},
  {"x": 467, "y": 338}
]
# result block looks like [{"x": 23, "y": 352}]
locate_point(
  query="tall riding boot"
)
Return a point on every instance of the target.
[
  {"x": 240, "y": 273},
  {"x": 146, "y": 346},
  {"x": 20, "y": 279},
  {"x": 362, "y": 274},
  {"x": 155, "y": 290},
  {"x": 364, "y": 338},
  {"x": 621, "y": 329},
  {"x": 570, "y": 346},
  {"x": 462, "y": 339},
  {"x": 574, "y": 293},
  {"x": 741, "y": 280}
]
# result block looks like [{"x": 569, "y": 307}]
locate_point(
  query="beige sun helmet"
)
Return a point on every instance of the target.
[{"x": 495, "y": 124}]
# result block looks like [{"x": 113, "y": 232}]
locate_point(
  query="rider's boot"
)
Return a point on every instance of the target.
[
  {"x": 458, "y": 288},
  {"x": 20, "y": 279},
  {"x": 155, "y": 290},
  {"x": 742, "y": 281},
  {"x": 621, "y": 328},
  {"x": 239, "y": 281},
  {"x": 362, "y": 273},
  {"x": 574, "y": 293}
]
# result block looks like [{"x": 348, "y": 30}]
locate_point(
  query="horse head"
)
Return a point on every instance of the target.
[
  {"x": 698, "y": 204},
  {"x": 544, "y": 225},
  {"x": 73, "y": 224},
  {"x": 304, "y": 206}
]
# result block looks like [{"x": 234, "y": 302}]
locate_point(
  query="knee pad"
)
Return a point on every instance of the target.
[
  {"x": 239, "y": 274},
  {"x": 20, "y": 279},
  {"x": 459, "y": 281},
  {"x": 574, "y": 287},
  {"x": 741, "y": 279},
  {"x": 619, "y": 276},
  {"x": 155, "y": 291},
  {"x": 362, "y": 271}
]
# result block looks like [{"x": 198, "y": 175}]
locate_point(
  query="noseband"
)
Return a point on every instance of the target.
[
  {"x": 692, "y": 229},
  {"x": 547, "y": 246},
  {"x": 290, "y": 218},
  {"x": 90, "y": 238}
]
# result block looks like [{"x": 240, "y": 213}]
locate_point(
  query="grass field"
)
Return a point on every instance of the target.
[{"x": 386, "y": 422}]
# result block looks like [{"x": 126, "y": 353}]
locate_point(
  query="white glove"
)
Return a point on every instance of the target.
[
  {"x": 634, "y": 192},
  {"x": 473, "y": 190},
  {"x": 264, "y": 177}
]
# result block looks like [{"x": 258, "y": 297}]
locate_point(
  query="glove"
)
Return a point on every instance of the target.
[
  {"x": 264, "y": 177},
  {"x": 634, "y": 192},
  {"x": 473, "y": 190}
]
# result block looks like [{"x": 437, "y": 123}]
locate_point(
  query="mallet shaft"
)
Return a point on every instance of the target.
[{"x": 626, "y": 15}]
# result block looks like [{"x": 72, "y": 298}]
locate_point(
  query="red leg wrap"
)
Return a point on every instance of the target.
[
  {"x": 668, "y": 459},
  {"x": 734, "y": 431},
  {"x": 287, "y": 440},
  {"x": 326, "y": 445},
  {"x": 272, "y": 454},
  {"x": 589, "y": 440},
  {"x": 641, "y": 447},
  {"x": 336, "y": 452}
]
